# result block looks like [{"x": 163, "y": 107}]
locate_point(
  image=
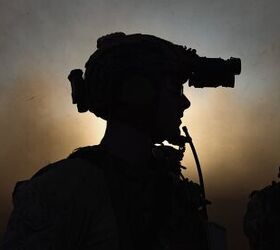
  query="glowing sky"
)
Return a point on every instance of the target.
[{"x": 236, "y": 131}]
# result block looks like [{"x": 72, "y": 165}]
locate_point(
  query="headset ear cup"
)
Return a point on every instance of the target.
[
  {"x": 82, "y": 103},
  {"x": 79, "y": 90}
]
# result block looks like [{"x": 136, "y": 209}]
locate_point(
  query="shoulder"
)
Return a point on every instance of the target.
[
  {"x": 63, "y": 168},
  {"x": 60, "y": 192},
  {"x": 67, "y": 174},
  {"x": 64, "y": 178},
  {"x": 78, "y": 164}
]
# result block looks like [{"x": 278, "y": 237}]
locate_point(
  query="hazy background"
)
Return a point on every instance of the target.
[{"x": 236, "y": 131}]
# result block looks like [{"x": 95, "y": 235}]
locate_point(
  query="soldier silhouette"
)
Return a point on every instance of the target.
[
  {"x": 125, "y": 193},
  {"x": 261, "y": 220}
]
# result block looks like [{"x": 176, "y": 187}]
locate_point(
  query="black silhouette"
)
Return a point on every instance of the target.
[
  {"x": 128, "y": 192},
  {"x": 261, "y": 220}
]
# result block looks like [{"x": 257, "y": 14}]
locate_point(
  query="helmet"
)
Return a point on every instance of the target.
[{"x": 117, "y": 57}]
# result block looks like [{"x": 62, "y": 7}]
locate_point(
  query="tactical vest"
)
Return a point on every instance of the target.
[
  {"x": 154, "y": 208},
  {"x": 150, "y": 208}
]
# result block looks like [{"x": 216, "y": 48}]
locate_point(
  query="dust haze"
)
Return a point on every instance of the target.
[{"x": 236, "y": 131}]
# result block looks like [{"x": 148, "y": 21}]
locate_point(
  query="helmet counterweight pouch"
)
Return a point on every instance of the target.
[{"x": 79, "y": 93}]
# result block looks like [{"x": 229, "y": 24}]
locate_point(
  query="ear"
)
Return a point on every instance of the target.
[{"x": 137, "y": 91}]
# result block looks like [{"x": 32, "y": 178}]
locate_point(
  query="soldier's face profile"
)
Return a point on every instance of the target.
[
  {"x": 140, "y": 103},
  {"x": 172, "y": 104}
]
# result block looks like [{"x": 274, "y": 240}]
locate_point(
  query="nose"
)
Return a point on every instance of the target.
[{"x": 185, "y": 102}]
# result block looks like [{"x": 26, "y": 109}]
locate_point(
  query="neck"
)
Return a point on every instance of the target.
[{"x": 128, "y": 143}]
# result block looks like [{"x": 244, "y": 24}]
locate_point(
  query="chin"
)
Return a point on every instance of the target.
[
  {"x": 176, "y": 140},
  {"x": 173, "y": 137},
  {"x": 167, "y": 133}
]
